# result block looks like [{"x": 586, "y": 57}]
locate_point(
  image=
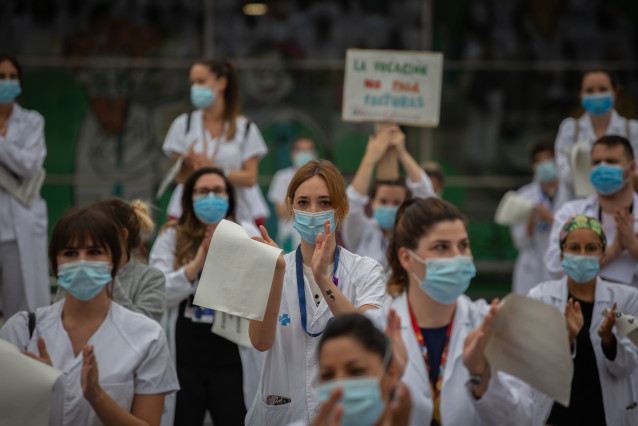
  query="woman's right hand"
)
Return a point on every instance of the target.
[
  {"x": 265, "y": 239},
  {"x": 89, "y": 378},
  {"x": 195, "y": 266},
  {"x": 44, "y": 355},
  {"x": 575, "y": 321},
  {"x": 378, "y": 145}
]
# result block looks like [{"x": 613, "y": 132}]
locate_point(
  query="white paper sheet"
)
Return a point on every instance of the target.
[
  {"x": 513, "y": 209},
  {"x": 232, "y": 327},
  {"x": 23, "y": 189},
  {"x": 529, "y": 341},
  {"x": 170, "y": 177},
  {"x": 580, "y": 161},
  {"x": 237, "y": 274},
  {"x": 626, "y": 326},
  {"x": 25, "y": 388}
]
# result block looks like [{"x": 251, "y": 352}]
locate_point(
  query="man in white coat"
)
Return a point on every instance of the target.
[
  {"x": 531, "y": 237},
  {"x": 613, "y": 165}
]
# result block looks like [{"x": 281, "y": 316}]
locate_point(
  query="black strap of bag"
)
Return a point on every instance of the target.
[{"x": 31, "y": 324}]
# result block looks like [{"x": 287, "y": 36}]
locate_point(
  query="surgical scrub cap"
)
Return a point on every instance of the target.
[{"x": 582, "y": 221}]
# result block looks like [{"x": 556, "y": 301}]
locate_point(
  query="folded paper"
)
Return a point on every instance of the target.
[
  {"x": 232, "y": 327},
  {"x": 626, "y": 326},
  {"x": 22, "y": 189},
  {"x": 531, "y": 336},
  {"x": 513, "y": 209},
  {"x": 170, "y": 177},
  {"x": 580, "y": 162},
  {"x": 25, "y": 388},
  {"x": 237, "y": 273}
]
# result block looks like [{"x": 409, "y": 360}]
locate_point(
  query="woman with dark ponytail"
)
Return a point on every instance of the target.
[{"x": 216, "y": 134}]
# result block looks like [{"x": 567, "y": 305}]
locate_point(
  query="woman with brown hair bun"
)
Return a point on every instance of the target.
[{"x": 216, "y": 134}]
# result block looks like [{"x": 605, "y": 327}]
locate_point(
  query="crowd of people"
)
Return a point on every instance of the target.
[{"x": 366, "y": 320}]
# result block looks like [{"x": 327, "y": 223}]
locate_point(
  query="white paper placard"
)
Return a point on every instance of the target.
[
  {"x": 394, "y": 86},
  {"x": 170, "y": 177},
  {"x": 232, "y": 327},
  {"x": 530, "y": 337},
  {"x": 237, "y": 274},
  {"x": 513, "y": 209},
  {"x": 580, "y": 162},
  {"x": 626, "y": 326},
  {"x": 25, "y": 388}
]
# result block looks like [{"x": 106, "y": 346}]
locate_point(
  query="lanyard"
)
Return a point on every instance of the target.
[
  {"x": 600, "y": 212},
  {"x": 301, "y": 289},
  {"x": 436, "y": 387}
]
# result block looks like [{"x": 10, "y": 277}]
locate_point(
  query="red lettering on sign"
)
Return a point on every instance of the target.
[{"x": 372, "y": 84}]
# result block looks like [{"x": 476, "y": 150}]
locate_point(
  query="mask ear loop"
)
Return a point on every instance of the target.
[{"x": 418, "y": 259}]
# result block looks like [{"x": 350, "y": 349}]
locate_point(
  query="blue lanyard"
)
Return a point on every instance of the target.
[{"x": 301, "y": 289}]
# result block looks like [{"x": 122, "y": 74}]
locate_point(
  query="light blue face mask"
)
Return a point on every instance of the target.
[
  {"x": 302, "y": 157},
  {"x": 211, "y": 208},
  {"x": 546, "y": 171},
  {"x": 309, "y": 225},
  {"x": 84, "y": 279},
  {"x": 607, "y": 178},
  {"x": 446, "y": 278},
  {"x": 9, "y": 90},
  {"x": 597, "y": 103},
  {"x": 385, "y": 215},
  {"x": 202, "y": 96},
  {"x": 581, "y": 269}
]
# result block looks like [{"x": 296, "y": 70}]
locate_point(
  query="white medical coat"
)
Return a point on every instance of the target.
[
  {"x": 22, "y": 151},
  {"x": 623, "y": 269},
  {"x": 507, "y": 401},
  {"x": 286, "y": 233},
  {"x": 362, "y": 234},
  {"x": 228, "y": 155},
  {"x": 530, "y": 269},
  {"x": 178, "y": 288},
  {"x": 130, "y": 349},
  {"x": 567, "y": 137},
  {"x": 617, "y": 377},
  {"x": 290, "y": 369}
]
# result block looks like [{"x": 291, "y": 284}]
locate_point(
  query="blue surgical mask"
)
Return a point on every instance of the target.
[
  {"x": 202, "y": 96},
  {"x": 607, "y": 178},
  {"x": 9, "y": 90},
  {"x": 598, "y": 103},
  {"x": 546, "y": 171},
  {"x": 581, "y": 269},
  {"x": 446, "y": 278},
  {"x": 361, "y": 400},
  {"x": 310, "y": 225},
  {"x": 210, "y": 209},
  {"x": 385, "y": 215},
  {"x": 84, "y": 279},
  {"x": 302, "y": 157}
]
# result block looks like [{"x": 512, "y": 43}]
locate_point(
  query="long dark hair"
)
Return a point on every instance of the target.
[{"x": 14, "y": 62}]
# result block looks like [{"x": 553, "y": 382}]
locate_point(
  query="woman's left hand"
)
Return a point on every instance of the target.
[
  {"x": 393, "y": 331},
  {"x": 331, "y": 411},
  {"x": 89, "y": 376},
  {"x": 44, "y": 355},
  {"x": 322, "y": 255},
  {"x": 606, "y": 335},
  {"x": 474, "y": 348},
  {"x": 200, "y": 160}
]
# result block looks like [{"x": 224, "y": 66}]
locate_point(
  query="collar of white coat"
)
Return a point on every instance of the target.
[
  {"x": 590, "y": 205},
  {"x": 560, "y": 292},
  {"x": 616, "y": 126}
]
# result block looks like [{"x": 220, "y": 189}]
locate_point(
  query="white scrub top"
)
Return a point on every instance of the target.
[
  {"x": 623, "y": 269},
  {"x": 618, "y": 377},
  {"x": 287, "y": 235},
  {"x": 290, "y": 369},
  {"x": 507, "y": 401},
  {"x": 227, "y": 155},
  {"x": 529, "y": 269},
  {"x": 362, "y": 234},
  {"x": 130, "y": 349},
  {"x": 572, "y": 131}
]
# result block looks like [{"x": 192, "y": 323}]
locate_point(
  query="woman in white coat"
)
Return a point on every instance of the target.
[
  {"x": 369, "y": 236},
  {"x": 24, "y": 272},
  {"x": 445, "y": 333},
  {"x": 319, "y": 281},
  {"x": 204, "y": 360},
  {"x": 87, "y": 332},
  {"x": 604, "y": 390},
  {"x": 598, "y": 91},
  {"x": 216, "y": 134}
]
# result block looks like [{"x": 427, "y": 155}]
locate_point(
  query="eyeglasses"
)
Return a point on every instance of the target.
[
  {"x": 590, "y": 248},
  {"x": 218, "y": 190}
]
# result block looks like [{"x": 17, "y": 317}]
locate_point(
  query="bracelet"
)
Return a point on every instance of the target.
[
  {"x": 478, "y": 380},
  {"x": 226, "y": 173}
]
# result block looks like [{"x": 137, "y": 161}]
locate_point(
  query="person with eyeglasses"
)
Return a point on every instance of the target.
[
  {"x": 613, "y": 205},
  {"x": 215, "y": 374},
  {"x": 603, "y": 390},
  {"x": 321, "y": 281}
]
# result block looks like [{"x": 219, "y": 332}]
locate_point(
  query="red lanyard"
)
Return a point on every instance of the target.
[{"x": 436, "y": 387}]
